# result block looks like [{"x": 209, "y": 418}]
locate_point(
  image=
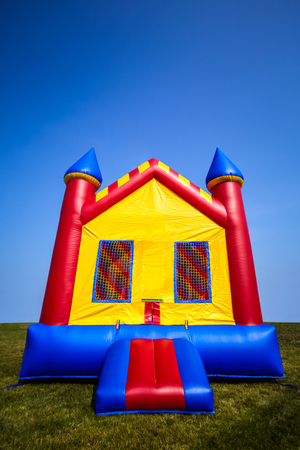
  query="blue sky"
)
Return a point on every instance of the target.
[{"x": 136, "y": 79}]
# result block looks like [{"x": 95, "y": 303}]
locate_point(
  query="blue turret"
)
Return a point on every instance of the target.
[
  {"x": 85, "y": 168},
  {"x": 222, "y": 169}
]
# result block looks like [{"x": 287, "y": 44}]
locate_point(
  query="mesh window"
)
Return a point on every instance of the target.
[
  {"x": 192, "y": 272},
  {"x": 113, "y": 271}
]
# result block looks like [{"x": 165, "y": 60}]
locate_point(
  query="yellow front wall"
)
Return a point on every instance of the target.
[{"x": 154, "y": 218}]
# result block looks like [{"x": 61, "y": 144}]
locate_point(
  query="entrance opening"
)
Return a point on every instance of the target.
[{"x": 152, "y": 311}]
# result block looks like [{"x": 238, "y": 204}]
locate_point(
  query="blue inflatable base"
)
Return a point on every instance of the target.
[
  {"x": 152, "y": 412},
  {"x": 78, "y": 351}
]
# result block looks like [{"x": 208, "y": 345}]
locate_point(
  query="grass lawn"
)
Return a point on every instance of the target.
[{"x": 260, "y": 415}]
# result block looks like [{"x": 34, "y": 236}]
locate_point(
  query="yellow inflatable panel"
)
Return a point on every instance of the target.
[{"x": 154, "y": 218}]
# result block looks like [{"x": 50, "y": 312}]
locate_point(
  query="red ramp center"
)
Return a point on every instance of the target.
[{"x": 153, "y": 381}]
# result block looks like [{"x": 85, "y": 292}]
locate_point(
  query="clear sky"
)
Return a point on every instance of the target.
[{"x": 137, "y": 79}]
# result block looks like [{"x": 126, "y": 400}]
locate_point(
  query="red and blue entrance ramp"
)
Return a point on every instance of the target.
[{"x": 151, "y": 376}]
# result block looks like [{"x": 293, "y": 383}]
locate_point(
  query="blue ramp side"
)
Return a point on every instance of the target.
[
  {"x": 110, "y": 394},
  {"x": 199, "y": 396}
]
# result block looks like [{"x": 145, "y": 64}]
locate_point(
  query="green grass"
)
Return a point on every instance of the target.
[{"x": 260, "y": 415}]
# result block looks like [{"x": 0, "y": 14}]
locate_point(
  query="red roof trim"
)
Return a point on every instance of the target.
[{"x": 171, "y": 179}]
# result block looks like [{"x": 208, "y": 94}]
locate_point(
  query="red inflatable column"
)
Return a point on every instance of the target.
[
  {"x": 244, "y": 291},
  {"x": 59, "y": 291},
  {"x": 82, "y": 180}
]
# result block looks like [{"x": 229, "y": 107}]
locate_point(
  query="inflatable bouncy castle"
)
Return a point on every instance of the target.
[{"x": 152, "y": 290}]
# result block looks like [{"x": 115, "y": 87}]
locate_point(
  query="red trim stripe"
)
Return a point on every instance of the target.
[{"x": 215, "y": 210}]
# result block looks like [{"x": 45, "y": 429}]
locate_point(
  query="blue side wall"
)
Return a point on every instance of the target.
[{"x": 78, "y": 351}]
